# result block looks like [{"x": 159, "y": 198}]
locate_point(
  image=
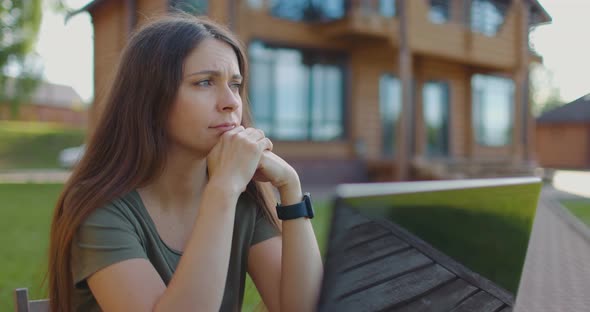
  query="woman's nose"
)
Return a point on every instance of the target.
[{"x": 228, "y": 100}]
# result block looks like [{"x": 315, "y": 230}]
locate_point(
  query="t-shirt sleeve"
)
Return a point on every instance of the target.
[
  {"x": 106, "y": 237},
  {"x": 263, "y": 228}
]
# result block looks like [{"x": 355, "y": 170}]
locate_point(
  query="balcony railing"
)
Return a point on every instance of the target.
[
  {"x": 329, "y": 10},
  {"x": 481, "y": 16},
  {"x": 486, "y": 16},
  {"x": 440, "y": 11}
]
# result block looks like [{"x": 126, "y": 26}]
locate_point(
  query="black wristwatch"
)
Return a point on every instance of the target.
[{"x": 302, "y": 209}]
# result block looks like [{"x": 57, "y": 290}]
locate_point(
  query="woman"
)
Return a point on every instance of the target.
[{"x": 168, "y": 209}]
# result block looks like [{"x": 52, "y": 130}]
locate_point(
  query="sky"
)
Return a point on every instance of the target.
[{"x": 67, "y": 49}]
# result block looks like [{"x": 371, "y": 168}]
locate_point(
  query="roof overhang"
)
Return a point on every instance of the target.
[
  {"x": 545, "y": 17},
  {"x": 87, "y": 8}
]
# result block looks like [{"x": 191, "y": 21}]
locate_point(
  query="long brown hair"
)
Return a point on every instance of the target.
[{"x": 128, "y": 147}]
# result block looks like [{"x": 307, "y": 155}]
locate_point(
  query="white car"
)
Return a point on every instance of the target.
[{"x": 69, "y": 157}]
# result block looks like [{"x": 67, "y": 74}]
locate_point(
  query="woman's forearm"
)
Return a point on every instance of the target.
[
  {"x": 302, "y": 267},
  {"x": 199, "y": 280}
]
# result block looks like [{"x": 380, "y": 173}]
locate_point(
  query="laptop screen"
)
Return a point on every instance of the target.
[{"x": 432, "y": 245}]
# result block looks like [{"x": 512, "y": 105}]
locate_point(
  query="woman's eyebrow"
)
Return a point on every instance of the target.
[{"x": 213, "y": 73}]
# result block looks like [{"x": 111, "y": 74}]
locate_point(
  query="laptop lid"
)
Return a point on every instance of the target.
[{"x": 430, "y": 245}]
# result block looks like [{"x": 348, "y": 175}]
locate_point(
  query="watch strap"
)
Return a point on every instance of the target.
[{"x": 301, "y": 209}]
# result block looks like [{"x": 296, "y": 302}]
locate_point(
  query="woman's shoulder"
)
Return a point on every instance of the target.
[{"x": 125, "y": 208}]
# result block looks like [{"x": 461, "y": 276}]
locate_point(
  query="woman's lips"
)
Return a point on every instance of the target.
[{"x": 223, "y": 128}]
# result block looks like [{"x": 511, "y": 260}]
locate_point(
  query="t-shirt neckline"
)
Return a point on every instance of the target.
[{"x": 151, "y": 222}]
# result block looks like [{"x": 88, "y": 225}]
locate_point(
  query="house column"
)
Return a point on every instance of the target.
[
  {"x": 131, "y": 8},
  {"x": 112, "y": 23},
  {"x": 522, "y": 143},
  {"x": 469, "y": 132},
  {"x": 222, "y": 11},
  {"x": 404, "y": 133}
]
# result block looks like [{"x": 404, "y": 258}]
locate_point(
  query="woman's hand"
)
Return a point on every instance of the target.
[
  {"x": 275, "y": 170},
  {"x": 234, "y": 159}
]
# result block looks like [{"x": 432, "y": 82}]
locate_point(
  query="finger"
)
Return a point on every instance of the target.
[
  {"x": 228, "y": 135},
  {"x": 234, "y": 131},
  {"x": 254, "y": 134},
  {"x": 265, "y": 144}
]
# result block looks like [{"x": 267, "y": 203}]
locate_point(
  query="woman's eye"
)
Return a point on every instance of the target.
[
  {"x": 203, "y": 83},
  {"x": 236, "y": 85}
]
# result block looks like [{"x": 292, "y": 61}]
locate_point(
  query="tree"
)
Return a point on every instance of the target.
[
  {"x": 20, "y": 71},
  {"x": 544, "y": 93}
]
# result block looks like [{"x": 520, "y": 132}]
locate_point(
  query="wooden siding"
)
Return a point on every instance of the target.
[
  {"x": 499, "y": 50},
  {"x": 283, "y": 32},
  {"x": 455, "y": 40},
  {"x": 110, "y": 36},
  {"x": 147, "y": 10},
  {"x": 315, "y": 150},
  {"x": 369, "y": 61},
  {"x": 358, "y": 24},
  {"x": 563, "y": 145}
]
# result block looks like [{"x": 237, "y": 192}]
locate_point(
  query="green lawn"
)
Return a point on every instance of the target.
[
  {"x": 579, "y": 208},
  {"x": 25, "y": 215},
  {"x": 30, "y": 145}
]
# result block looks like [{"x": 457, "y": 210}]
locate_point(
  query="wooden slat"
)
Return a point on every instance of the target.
[
  {"x": 363, "y": 233},
  {"x": 452, "y": 265},
  {"x": 370, "y": 250},
  {"x": 441, "y": 299},
  {"x": 343, "y": 221},
  {"x": 480, "y": 302},
  {"x": 395, "y": 291},
  {"x": 382, "y": 269},
  {"x": 348, "y": 218}
]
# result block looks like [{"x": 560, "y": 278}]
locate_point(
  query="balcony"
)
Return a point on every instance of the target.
[
  {"x": 374, "y": 19},
  {"x": 330, "y": 19},
  {"x": 479, "y": 32}
]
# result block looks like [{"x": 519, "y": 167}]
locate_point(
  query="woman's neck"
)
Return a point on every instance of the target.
[{"x": 181, "y": 183}]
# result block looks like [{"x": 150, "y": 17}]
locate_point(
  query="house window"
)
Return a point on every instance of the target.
[
  {"x": 195, "y": 7},
  {"x": 256, "y": 4},
  {"x": 295, "y": 94},
  {"x": 493, "y": 105},
  {"x": 307, "y": 10},
  {"x": 435, "y": 95},
  {"x": 387, "y": 8},
  {"x": 487, "y": 16},
  {"x": 389, "y": 108},
  {"x": 439, "y": 11},
  {"x": 324, "y": 10}
]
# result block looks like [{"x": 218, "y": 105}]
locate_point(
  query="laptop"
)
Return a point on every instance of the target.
[{"x": 428, "y": 245}]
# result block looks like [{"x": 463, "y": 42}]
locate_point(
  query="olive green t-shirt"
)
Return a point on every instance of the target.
[{"x": 124, "y": 230}]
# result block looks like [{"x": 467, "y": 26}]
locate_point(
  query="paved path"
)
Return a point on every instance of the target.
[
  {"x": 556, "y": 274},
  {"x": 35, "y": 176}
]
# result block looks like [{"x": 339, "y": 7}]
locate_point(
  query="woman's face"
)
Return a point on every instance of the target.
[{"x": 208, "y": 101}]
